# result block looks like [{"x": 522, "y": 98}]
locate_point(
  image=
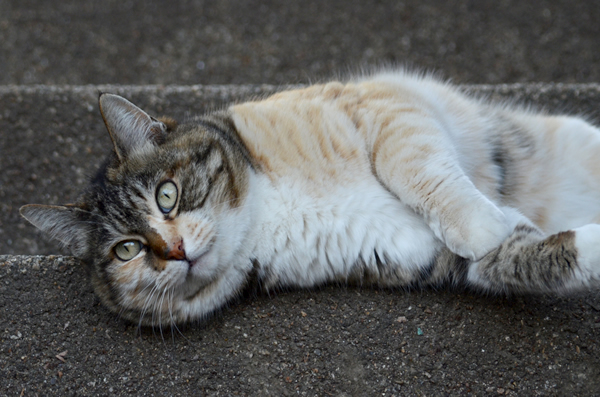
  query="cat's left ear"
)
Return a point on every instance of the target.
[
  {"x": 68, "y": 224},
  {"x": 130, "y": 128}
]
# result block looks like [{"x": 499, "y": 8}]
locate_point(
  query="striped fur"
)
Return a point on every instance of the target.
[{"x": 393, "y": 180}]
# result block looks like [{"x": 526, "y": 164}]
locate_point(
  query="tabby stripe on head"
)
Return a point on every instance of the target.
[
  {"x": 135, "y": 191},
  {"x": 212, "y": 177},
  {"x": 223, "y": 125}
]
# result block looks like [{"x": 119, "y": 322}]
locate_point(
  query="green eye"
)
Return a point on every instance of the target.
[
  {"x": 127, "y": 250},
  {"x": 166, "y": 196}
]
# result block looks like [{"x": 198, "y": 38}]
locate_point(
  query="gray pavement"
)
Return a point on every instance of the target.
[
  {"x": 283, "y": 41},
  {"x": 57, "y": 339}
]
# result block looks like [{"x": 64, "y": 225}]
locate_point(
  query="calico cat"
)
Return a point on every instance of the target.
[{"x": 394, "y": 180}]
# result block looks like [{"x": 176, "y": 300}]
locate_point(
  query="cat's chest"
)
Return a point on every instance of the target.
[{"x": 302, "y": 238}]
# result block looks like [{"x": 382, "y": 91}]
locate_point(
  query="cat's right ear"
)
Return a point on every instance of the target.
[
  {"x": 67, "y": 224},
  {"x": 130, "y": 128}
]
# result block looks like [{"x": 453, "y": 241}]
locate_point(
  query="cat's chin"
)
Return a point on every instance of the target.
[
  {"x": 198, "y": 278},
  {"x": 194, "y": 285},
  {"x": 201, "y": 271}
]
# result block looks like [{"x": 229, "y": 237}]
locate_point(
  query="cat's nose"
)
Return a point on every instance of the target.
[{"x": 176, "y": 253}]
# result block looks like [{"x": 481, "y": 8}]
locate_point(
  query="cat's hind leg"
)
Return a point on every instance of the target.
[{"x": 529, "y": 261}]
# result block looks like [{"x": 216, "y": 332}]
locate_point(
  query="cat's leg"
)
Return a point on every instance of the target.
[
  {"x": 414, "y": 158},
  {"x": 529, "y": 261}
]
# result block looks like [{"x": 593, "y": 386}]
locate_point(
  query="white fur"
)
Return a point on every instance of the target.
[
  {"x": 307, "y": 240},
  {"x": 286, "y": 223}
]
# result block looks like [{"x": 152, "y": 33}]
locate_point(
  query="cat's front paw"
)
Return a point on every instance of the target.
[{"x": 477, "y": 230}]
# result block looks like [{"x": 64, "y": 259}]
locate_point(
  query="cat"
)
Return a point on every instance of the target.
[{"x": 394, "y": 179}]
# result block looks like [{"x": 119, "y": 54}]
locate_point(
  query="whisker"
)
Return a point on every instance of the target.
[
  {"x": 160, "y": 312},
  {"x": 170, "y": 310},
  {"x": 157, "y": 307},
  {"x": 147, "y": 302},
  {"x": 173, "y": 322}
]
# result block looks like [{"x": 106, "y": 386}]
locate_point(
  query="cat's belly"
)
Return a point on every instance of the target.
[{"x": 303, "y": 240}]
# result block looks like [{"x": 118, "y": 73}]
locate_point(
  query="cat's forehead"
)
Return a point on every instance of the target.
[
  {"x": 182, "y": 149},
  {"x": 145, "y": 166}
]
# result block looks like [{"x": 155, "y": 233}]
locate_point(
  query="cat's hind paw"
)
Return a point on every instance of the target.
[{"x": 587, "y": 244}]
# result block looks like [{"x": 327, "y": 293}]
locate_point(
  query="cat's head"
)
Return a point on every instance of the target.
[{"x": 162, "y": 224}]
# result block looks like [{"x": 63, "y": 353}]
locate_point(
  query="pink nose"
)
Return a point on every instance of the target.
[{"x": 176, "y": 253}]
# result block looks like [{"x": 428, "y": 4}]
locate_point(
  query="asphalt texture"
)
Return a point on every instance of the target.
[
  {"x": 180, "y": 58},
  {"x": 283, "y": 42}
]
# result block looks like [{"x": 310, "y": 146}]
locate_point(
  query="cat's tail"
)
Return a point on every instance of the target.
[{"x": 529, "y": 261}]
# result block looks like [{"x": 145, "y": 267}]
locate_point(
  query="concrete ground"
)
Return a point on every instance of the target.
[
  {"x": 282, "y": 41},
  {"x": 56, "y": 56}
]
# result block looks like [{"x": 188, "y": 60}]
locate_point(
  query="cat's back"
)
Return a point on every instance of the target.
[
  {"x": 323, "y": 129},
  {"x": 304, "y": 133}
]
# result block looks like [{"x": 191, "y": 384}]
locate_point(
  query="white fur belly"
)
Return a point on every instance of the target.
[{"x": 303, "y": 240}]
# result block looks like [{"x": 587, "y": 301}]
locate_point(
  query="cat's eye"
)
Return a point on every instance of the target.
[
  {"x": 166, "y": 196},
  {"x": 127, "y": 250}
]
